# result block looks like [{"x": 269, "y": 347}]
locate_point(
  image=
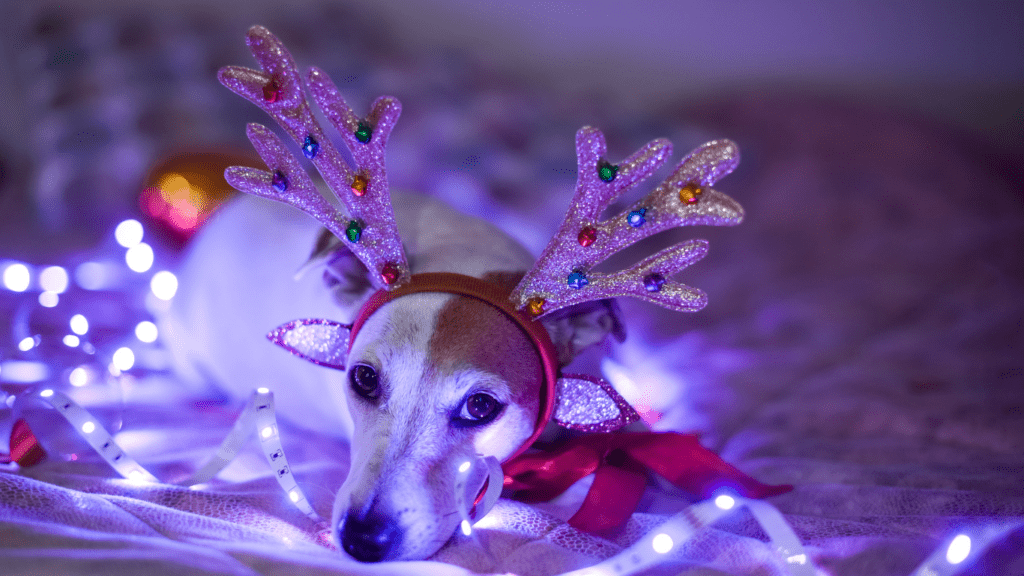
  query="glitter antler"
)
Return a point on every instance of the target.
[
  {"x": 369, "y": 227},
  {"x": 563, "y": 275}
]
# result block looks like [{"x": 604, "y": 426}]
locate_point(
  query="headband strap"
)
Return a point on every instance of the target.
[{"x": 462, "y": 285}]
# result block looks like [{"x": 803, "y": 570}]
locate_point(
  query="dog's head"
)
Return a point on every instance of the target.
[{"x": 434, "y": 380}]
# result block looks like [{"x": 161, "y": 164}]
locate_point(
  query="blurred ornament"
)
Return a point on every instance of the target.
[{"x": 182, "y": 191}]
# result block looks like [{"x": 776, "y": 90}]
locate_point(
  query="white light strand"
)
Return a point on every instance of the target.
[
  {"x": 258, "y": 414},
  {"x": 97, "y": 436},
  {"x": 962, "y": 550},
  {"x": 651, "y": 549}
]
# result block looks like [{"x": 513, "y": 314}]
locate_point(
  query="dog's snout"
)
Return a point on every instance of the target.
[{"x": 369, "y": 538}]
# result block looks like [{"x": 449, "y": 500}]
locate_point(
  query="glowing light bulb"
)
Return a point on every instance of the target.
[
  {"x": 79, "y": 376},
  {"x": 466, "y": 528},
  {"x": 263, "y": 390},
  {"x": 88, "y": 427},
  {"x": 164, "y": 285},
  {"x": 662, "y": 543},
  {"x": 464, "y": 466},
  {"x": 139, "y": 257},
  {"x": 27, "y": 344},
  {"x": 123, "y": 359},
  {"x": 725, "y": 502},
  {"x": 267, "y": 432},
  {"x": 92, "y": 275},
  {"x": 135, "y": 476},
  {"x": 54, "y": 279},
  {"x": 146, "y": 331},
  {"x": 294, "y": 495},
  {"x": 958, "y": 549},
  {"x": 71, "y": 341},
  {"x": 48, "y": 299},
  {"x": 128, "y": 233},
  {"x": 79, "y": 325},
  {"x": 46, "y": 393},
  {"x": 17, "y": 277}
]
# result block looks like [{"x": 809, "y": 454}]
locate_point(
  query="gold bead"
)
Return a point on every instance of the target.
[
  {"x": 535, "y": 306},
  {"x": 690, "y": 194},
  {"x": 359, "y": 183}
]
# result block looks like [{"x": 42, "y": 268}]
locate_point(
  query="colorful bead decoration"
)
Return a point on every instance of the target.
[
  {"x": 636, "y": 218},
  {"x": 353, "y": 231},
  {"x": 271, "y": 91},
  {"x": 359, "y": 183},
  {"x": 577, "y": 280},
  {"x": 363, "y": 132},
  {"x": 653, "y": 282},
  {"x": 587, "y": 236},
  {"x": 607, "y": 171},
  {"x": 280, "y": 181},
  {"x": 390, "y": 273},
  {"x": 310, "y": 147},
  {"x": 535, "y": 306},
  {"x": 690, "y": 194}
]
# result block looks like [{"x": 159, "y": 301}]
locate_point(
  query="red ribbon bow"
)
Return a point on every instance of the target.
[{"x": 620, "y": 460}]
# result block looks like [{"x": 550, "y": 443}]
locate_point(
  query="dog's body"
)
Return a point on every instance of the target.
[{"x": 421, "y": 371}]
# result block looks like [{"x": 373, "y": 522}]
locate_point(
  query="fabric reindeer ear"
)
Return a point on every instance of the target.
[
  {"x": 590, "y": 404},
  {"x": 322, "y": 342}
]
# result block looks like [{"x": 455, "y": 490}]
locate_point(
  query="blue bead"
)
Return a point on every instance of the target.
[
  {"x": 280, "y": 181},
  {"x": 653, "y": 282},
  {"x": 310, "y": 147},
  {"x": 636, "y": 218},
  {"x": 577, "y": 280}
]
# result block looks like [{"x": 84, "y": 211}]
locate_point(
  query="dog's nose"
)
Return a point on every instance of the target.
[{"x": 370, "y": 538}]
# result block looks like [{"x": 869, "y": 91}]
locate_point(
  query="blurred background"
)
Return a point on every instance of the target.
[{"x": 98, "y": 93}]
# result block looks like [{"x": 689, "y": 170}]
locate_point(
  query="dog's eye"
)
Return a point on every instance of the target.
[
  {"x": 480, "y": 408},
  {"x": 364, "y": 381}
]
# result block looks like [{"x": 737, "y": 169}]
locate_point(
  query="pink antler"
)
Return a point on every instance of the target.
[
  {"x": 563, "y": 275},
  {"x": 369, "y": 226}
]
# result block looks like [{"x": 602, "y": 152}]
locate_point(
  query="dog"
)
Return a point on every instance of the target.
[
  {"x": 432, "y": 379},
  {"x": 447, "y": 337}
]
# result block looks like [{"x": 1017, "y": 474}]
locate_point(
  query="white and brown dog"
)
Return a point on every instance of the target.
[{"x": 434, "y": 377}]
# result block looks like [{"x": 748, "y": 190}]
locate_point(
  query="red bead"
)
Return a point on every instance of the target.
[
  {"x": 390, "y": 273},
  {"x": 587, "y": 236},
  {"x": 271, "y": 91}
]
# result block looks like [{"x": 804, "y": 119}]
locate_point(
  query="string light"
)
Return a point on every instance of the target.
[
  {"x": 53, "y": 279},
  {"x": 79, "y": 324},
  {"x": 662, "y": 543},
  {"x": 79, "y": 376},
  {"x": 164, "y": 285},
  {"x": 466, "y": 528},
  {"x": 959, "y": 549},
  {"x": 128, "y": 233},
  {"x": 139, "y": 257},
  {"x": 27, "y": 344},
  {"x": 146, "y": 331},
  {"x": 464, "y": 467},
  {"x": 92, "y": 275},
  {"x": 17, "y": 277},
  {"x": 725, "y": 502},
  {"x": 123, "y": 359},
  {"x": 48, "y": 299},
  {"x": 71, "y": 341},
  {"x": 89, "y": 427}
]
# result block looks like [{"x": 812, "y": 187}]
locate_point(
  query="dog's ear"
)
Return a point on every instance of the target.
[
  {"x": 575, "y": 328},
  {"x": 590, "y": 404},
  {"x": 322, "y": 342},
  {"x": 343, "y": 274}
]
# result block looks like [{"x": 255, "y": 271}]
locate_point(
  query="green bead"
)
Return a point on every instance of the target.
[
  {"x": 606, "y": 171},
  {"x": 363, "y": 132},
  {"x": 354, "y": 231}
]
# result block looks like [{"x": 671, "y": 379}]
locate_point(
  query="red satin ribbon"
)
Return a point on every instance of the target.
[{"x": 619, "y": 461}]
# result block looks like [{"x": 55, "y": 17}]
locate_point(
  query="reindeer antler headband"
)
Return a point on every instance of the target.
[{"x": 563, "y": 275}]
